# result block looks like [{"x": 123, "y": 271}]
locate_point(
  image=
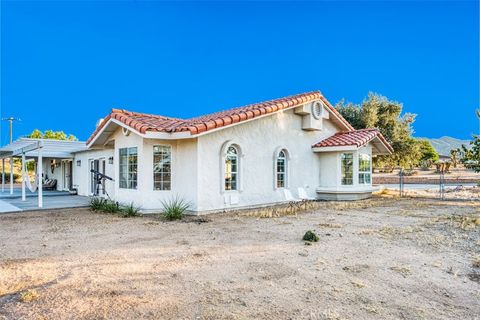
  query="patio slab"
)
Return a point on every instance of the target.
[
  {"x": 51, "y": 202},
  {"x": 7, "y": 207},
  {"x": 17, "y": 193}
]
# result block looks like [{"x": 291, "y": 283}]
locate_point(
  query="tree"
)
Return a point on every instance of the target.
[
  {"x": 376, "y": 111},
  {"x": 454, "y": 155},
  {"x": 471, "y": 157},
  {"x": 351, "y": 113},
  {"x": 36, "y": 134},
  {"x": 428, "y": 153},
  {"x": 50, "y": 134}
]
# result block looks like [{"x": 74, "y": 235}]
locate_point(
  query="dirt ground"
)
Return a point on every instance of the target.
[{"x": 381, "y": 258}]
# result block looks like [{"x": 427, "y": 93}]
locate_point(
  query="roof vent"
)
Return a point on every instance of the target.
[{"x": 317, "y": 110}]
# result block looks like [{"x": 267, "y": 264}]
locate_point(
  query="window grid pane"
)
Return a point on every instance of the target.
[
  {"x": 281, "y": 173},
  {"x": 162, "y": 167},
  {"x": 231, "y": 169},
  {"x": 347, "y": 168},
  {"x": 128, "y": 168},
  {"x": 364, "y": 169}
]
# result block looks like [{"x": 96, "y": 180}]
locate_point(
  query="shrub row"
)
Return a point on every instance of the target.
[{"x": 109, "y": 206}]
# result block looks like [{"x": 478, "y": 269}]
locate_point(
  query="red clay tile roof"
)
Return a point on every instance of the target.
[
  {"x": 147, "y": 122},
  {"x": 357, "y": 138}
]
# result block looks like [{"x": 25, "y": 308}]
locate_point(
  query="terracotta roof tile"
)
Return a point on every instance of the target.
[
  {"x": 147, "y": 122},
  {"x": 356, "y": 138}
]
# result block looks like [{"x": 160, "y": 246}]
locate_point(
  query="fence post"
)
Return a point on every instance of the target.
[
  {"x": 442, "y": 182},
  {"x": 401, "y": 182}
]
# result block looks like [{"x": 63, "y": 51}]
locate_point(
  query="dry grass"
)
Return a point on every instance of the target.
[
  {"x": 290, "y": 209},
  {"x": 28, "y": 296},
  {"x": 358, "y": 284},
  {"x": 330, "y": 225},
  {"x": 389, "y": 231},
  {"x": 403, "y": 270},
  {"x": 476, "y": 262}
]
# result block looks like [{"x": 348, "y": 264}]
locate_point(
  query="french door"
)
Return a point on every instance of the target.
[{"x": 99, "y": 166}]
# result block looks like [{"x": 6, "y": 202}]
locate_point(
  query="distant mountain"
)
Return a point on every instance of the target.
[{"x": 443, "y": 145}]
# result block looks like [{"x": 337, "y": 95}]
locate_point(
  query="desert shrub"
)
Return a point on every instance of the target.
[
  {"x": 174, "y": 208},
  {"x": 130, "y": 210},
  {"x": 409, "y": 173},
  {"x": 97, "y": 203},
  {"x": 29, "y": 295},
  {"x": 104, "y": 205},
  {"x": 310, "y": 236},
  {"x": 111, "y": 207}
]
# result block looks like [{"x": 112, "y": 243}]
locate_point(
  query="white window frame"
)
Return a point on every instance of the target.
[
  {"x": 275, "y": 168},
  {"x": 229, "y": 171},
  {"x": 352, "y": 168},
  {"x": 364, "y": 172},
  {"x": 240, "y": 165},
  {"x": 169, "y": 147},
  {"x": 128, "y": 180}
]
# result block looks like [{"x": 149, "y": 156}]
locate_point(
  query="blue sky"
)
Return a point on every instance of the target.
[{"x": 66, "y": 64}]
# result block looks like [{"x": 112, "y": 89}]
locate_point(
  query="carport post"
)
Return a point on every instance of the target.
[
  {"x": 11, "y": 175},
  {"x": 24, "y": 196},
  {"x": 39, "y": 178},
  {"x": 3, "y": 174}
]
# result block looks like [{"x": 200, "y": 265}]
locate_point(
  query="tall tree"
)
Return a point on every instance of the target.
[
  {"x": 376, "y": 111},
  {"x": 471, "y": 157},
  {"x": 50, "y": 134},
  {"x": 428, "y": 154}
]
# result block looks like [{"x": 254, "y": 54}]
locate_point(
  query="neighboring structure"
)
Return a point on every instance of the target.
[{"x": 249, "y": 156}]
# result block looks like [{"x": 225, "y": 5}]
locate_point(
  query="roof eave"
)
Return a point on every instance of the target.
[{"x": 335, "y": 148}]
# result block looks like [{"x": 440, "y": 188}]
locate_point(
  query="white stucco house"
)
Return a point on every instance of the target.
[{"x": 259, "y": 154}]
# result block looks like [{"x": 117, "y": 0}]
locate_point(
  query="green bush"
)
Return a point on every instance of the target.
[
  {"x": 310, "y": 236},
  {"x": 174, "y": 208},
  {"x": 97, "y": 203},
  {"x": 130, "y": 210},
  {"x": 16, "y": 177},
  {"x": 111, "y": 207}
]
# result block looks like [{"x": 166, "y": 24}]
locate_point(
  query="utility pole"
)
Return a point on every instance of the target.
[{"x": 11, "y": 119}]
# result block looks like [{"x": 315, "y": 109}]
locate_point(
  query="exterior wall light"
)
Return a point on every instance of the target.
[
  {"x": 79, "y": 163},
  {"x": 110, "y": 160}
]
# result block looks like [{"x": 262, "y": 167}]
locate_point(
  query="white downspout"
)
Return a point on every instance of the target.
[
  {"x": 11, "y": 175},
  {"x": 39, "y": 178},
  {"x": 24, "y": 196},
  {"x": 3, "y": 174}
]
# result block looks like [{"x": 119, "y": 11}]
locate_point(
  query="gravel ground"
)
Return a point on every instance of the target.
[{"x": 382, "y": 258}]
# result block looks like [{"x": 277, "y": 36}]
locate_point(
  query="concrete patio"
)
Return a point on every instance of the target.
[
  {"x": 17, "y": 193},
  {"x": 51, "y": 200}
]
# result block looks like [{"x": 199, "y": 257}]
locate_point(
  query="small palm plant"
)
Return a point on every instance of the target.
[
  {"x": 174, "y": 208},
  {"x": 130, "y": 210},
  {"x": 96, "y": 203}
]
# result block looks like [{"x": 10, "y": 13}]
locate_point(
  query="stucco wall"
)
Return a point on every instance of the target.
[
  {"x": 329, "y": 169},
  {"x": 258, "y": 141},
  {"x": 82, "y": 175},
  {"x": 184, "y": 171}
]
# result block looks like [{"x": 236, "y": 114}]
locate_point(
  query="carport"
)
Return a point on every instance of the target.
[{"x": 38, "y": 150}]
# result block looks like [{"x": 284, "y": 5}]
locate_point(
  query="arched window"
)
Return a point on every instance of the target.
[
  {"x": 281, "y": 169},
  {"x": 231, "y": 169}
]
